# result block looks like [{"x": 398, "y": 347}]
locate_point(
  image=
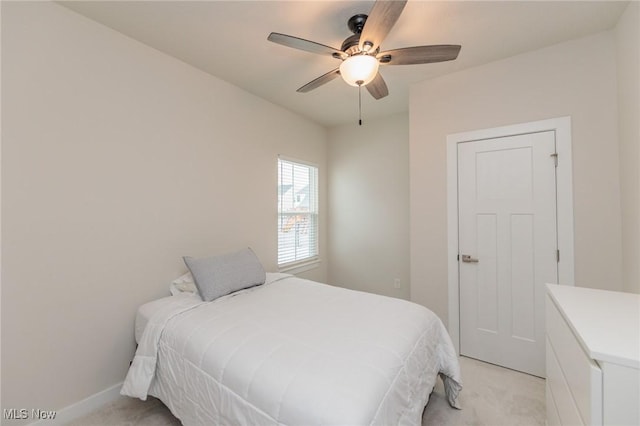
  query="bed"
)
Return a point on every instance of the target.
[{"x": 291, "y": 352}]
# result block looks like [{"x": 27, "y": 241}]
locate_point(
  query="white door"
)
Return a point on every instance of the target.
[{"x": 508, "y": 247}]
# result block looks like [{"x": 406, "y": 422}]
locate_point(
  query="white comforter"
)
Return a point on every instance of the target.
[{"x": 294, "y": 352}]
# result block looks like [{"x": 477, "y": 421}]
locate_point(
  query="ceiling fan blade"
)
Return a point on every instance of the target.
[
  {"x": 319, "y": 81},
  {"x": 381, "y": 19},
  {"x": 306, "y": 45},
  {"x": 378, "y": 88},
  {"x": 419, "y": 54}
]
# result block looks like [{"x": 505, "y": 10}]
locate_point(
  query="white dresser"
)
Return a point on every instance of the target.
[{"x": 593, "y": 356}]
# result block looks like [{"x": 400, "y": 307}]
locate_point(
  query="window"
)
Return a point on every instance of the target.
[{"x": 297, "y": 213}]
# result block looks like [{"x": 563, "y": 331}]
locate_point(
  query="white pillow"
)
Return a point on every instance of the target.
[{"x": 183, "y": 284}]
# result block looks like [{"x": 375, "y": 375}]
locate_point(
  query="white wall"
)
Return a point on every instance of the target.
[
  {"x": 368, "y": 191},
  {"x": 628, "y": 55},
  {"x": 577, "y": 79},
  {"x": 116, "y": 161}
]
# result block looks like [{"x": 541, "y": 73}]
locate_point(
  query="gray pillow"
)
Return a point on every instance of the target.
[{"x": 220, "y": 275}]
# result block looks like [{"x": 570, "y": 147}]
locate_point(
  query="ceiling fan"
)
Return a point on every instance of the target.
[{"x": 360, "y": 53}]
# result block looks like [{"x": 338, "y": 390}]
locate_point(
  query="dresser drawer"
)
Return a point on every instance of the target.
[
  {"x": 564, "y": 410},
  {"x": 567, "y": 362},
  {"x": 553, "y": 418}
]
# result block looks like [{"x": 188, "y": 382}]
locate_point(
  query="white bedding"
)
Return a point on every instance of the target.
[
  {"x": 148, "y": 310},
  {"x": 294, "y": 352}
]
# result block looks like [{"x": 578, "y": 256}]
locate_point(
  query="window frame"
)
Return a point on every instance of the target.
[{"x": 312, "y": 261}]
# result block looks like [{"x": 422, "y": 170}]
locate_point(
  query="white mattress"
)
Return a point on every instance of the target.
[{"x": 294, "y": 352}]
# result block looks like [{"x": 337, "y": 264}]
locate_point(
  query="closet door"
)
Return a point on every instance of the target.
[{"x": 508, "y": 247}]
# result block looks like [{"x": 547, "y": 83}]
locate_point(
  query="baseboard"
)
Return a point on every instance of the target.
[{"x": 81, "y": 408}]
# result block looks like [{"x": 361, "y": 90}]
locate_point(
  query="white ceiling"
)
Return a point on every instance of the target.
[{"x": 228, "y": 39}]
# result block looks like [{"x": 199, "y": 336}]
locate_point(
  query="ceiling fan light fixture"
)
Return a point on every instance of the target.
[{"x": 359, "y": 70}]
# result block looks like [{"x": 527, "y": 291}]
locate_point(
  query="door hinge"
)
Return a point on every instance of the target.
[
  {"x": 555, "y": 158},
  {"x": 458, "y": 258},
  {"x": 558, "y": 256}
]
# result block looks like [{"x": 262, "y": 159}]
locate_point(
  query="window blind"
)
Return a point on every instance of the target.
[{"x": 297, "y": 212}]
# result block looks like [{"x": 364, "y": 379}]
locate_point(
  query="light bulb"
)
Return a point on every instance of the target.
[{"x": 359, "y": 70}]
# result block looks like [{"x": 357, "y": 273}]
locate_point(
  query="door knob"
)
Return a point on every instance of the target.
[{"x": 468, "y": 259}]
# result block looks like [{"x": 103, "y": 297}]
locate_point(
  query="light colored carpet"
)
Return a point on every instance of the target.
[{"x": 492, "y": 396}]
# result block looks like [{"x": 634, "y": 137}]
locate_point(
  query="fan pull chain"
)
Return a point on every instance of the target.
[{"x": 360, "y": 104}]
